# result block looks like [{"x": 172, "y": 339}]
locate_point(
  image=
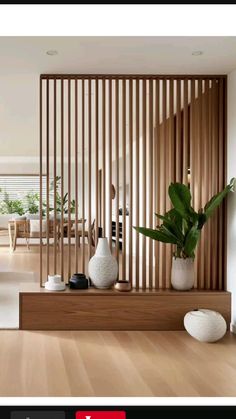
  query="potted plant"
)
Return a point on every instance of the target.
[{"x": 181, "y": 226}]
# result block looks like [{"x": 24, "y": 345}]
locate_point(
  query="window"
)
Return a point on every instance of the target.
[{"x": 20, "y": 193}]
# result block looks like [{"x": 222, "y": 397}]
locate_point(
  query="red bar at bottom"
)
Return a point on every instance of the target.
[{"x": 101, "y": 415}]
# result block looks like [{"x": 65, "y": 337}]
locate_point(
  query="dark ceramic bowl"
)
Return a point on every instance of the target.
[{"x": 78, "y": 281}]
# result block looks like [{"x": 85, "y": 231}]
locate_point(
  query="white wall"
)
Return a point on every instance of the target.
[
  {"x": 19, "y": 104},
  {"x": 231, "y": 172}
]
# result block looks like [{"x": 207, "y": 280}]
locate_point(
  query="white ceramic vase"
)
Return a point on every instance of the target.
[
  {"x": 102, "y": 267},
  {"x": 182, "y": 274},
  {"x": 205, "y": 325}
]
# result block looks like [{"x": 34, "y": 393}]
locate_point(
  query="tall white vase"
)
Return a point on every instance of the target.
[
  {"x": 182, "y": 274},
  {"x": 102, "y": 267}
]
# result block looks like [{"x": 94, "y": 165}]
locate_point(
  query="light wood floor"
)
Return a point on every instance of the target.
[
  {"x": 115, "y": 364},
  {"x": 110, "y": 363},
  {"x": 28, "y": 260}
]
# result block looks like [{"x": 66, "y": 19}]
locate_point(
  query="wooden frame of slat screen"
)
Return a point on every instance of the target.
[{"x": 116, "y": 142}]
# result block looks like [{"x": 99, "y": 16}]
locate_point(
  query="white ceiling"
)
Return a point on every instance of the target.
[{"x": 152, "y": 55}]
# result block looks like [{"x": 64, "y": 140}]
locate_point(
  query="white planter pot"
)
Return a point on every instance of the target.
[
  {"x": 102, "y": 267},
  {"x": 205, "y": 325},
  {"x": 182, "y": 274}
]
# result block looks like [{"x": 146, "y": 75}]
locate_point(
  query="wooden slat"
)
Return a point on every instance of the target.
[
  {"x": 157, "y": 175},
  {"x": 55, "y": 176},
  {"x": 185, "y": 134},
  {"x": 69, "y": 179},
  {"x": 171, "y": 172},
  {"x": 150, "y": 175},
  {"x": 163, "y": 194},
  {"x": 206, "y": 279},
  {"x": 62, "y": 179},
  {"x": 47, "y": 176},
  {"x": 178, "y": 133},
  {"x": 89, "y": 163},
  {"x": 211, "y": 175},
  {"x": 224, "y": 152},
  {"x": 198, "y": 165},
  {"x": 171, "y": 132},
  {"x": 221, "y": 180},
  {"x": 83, "y": 175},
  {"x": 110, "y": 164},
  {"x": 124, "y": 179},
  {"x": 117, "y": 172},
  {"x": 137, "y": 134},
  {"x": 104, "y": 157},
  {"x": 144, "y": 156},
  {"x": 214, "y": 236},
  {"x": 131, "y": 279},
  {"x": 193, "y": 148},
  {"x": 196, "y": 190},
  {"x": 76, "y": 177},
  {"x": 202, "y": 282},
  {"x": 96, "y": 158},
  {"x": 209, "y": 223},
  {"x": 40, "y": 180}
]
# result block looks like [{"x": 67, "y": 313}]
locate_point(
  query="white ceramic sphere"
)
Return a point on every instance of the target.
[
  {"x": 205, "y": 325},
  {"x": 182, "y": 274},
  {"x": 102, "y": 267}
]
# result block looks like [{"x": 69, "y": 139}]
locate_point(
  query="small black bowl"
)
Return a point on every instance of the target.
[{"x": 78, "y": 281}]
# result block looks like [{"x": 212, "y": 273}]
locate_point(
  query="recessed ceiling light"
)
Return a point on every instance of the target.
[
  {"x": 52, "y": 52},
  {"x": 196, "y": 53}
]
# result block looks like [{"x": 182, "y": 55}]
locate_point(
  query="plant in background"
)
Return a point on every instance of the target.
[
  {"x": 59, "y": 202},
  {"x": 182, "y": 225},
  {"x": 32, "y": 199},
  {"x": 11, "y": 206}
]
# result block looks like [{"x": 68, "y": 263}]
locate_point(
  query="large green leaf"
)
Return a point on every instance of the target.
[
  {"x": 180, "y": 197},
  {"x": 191, "y": 241},
  {"x": 157, "y": 235},
  {"x": 202, "y": 218},
  {"x": 216, "y": 200},
  {"x": 172, "y": 223}
]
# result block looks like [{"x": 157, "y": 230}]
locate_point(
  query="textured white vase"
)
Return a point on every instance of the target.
[
  {"x": 205, "y": 325},
  {"x": 182, "y": 274},
  {"x": 102, "y": 267}
]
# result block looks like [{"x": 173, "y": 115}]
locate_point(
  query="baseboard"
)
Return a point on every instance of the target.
[{"x": 233, "y": 328}]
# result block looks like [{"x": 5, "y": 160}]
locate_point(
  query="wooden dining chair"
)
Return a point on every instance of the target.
[{"x": 88, "y": 233}]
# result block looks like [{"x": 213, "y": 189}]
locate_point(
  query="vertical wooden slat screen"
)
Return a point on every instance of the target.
[{"x": 115, "y": 142}]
